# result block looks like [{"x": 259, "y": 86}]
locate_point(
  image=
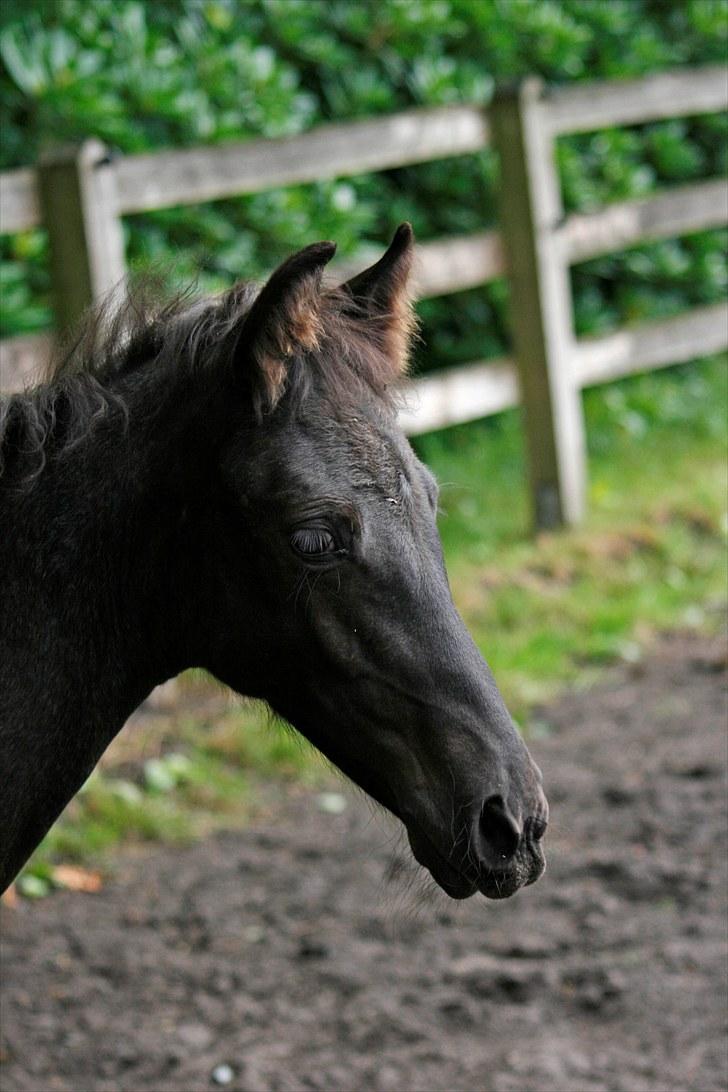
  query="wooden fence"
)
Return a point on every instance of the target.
[{"x": 80, "y": 195}]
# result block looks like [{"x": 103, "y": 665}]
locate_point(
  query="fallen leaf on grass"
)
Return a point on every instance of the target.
[
  {"x": 74, "y": 878},
  {"x": 10, "y": 897}
]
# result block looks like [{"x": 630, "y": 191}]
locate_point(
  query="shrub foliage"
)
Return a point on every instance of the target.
[{"x": 174, "y": 73}]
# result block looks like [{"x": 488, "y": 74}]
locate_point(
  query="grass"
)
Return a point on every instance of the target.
[
  {"x": 651, "y": 556},
  {"x": 547, "y": 612},
  {"x": 171, "y": 777}
]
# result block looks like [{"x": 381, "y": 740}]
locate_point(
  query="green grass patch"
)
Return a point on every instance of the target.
[
  {"x": 251, "y": 739},
  {"x": 180, "y": 778},
  {"x": 546, "y": 612}
]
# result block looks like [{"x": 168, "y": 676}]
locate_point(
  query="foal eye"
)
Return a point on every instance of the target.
[{"x": 313, "y": 542}]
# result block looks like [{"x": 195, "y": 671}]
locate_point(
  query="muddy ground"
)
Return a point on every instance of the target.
[{"x": 298, "y": 954}]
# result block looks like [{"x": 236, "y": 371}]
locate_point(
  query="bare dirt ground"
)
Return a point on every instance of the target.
[{"x": 289, "y": 953}]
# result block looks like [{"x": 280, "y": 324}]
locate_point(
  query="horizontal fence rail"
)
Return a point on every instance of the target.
[
  {"x": 680, "y": 211},
  {"x": 698, "y": 332},
  {"x": 583, "y": 108},
  {"x": 19, "y": 201},
  {"x": 161, "y": 179},
  {"x": 486, "y": 387},
  {"x": 23, "y": 360},
  {"x": 158, "y": 180},
  {"x": 81, "y": 195}
]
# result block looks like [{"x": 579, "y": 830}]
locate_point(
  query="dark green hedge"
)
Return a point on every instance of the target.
[{"x": 171, "y": 73}]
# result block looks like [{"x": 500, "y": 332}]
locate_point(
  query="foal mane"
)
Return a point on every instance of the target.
[{"x": 191, "y": 335}]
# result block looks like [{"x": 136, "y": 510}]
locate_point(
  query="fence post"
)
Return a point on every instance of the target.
[
  {"x": 540, "y": 304},
  {"x": 78, "y": 202}
]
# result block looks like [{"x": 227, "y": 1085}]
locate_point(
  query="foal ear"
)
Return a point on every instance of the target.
[
  {"x": 284, "y": 320},
  {"x": 382, "y": 293}
]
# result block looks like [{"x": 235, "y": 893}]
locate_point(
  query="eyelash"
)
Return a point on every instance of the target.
[{"x": 315, "y": 543}]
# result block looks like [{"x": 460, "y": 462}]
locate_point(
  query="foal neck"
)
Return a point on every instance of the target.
[{"x": 92, "y": 583}]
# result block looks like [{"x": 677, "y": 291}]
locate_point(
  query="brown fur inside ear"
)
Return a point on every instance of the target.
[
  {"x": 382, "y": 292},
  {"x": 293, "y": 327},
  {"x": 400, "y": 325},
  {"x": 285, "y": 320}
]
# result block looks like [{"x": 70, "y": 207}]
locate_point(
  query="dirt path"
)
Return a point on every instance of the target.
[{"x": 287, "y": 954}]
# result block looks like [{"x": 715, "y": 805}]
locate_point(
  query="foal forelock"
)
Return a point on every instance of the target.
[{"x": 188, "y": 337}]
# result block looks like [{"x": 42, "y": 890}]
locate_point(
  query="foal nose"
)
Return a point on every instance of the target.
[{"x": 500, "y": 832}]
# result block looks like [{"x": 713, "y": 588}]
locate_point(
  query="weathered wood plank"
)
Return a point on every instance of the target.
[
  {"x": 584, "y": 107},
  {"x": 19, "y": 201},
  {"x": 699, "y": 332},
  {"x": 161, "y": 179},
  {"x": 480, "y": 389},
  {"x": 678, "y": 212},
  {"x": 540, "y": 307},
  {"x": 458, "y": 395},
  {"x": 22, "y": 360},
  {"x": 443, "y": 265},
  {"x": 76, "y": 186},
  {"x": 453, "y": 265}
]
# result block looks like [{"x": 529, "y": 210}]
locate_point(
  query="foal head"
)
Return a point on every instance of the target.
[{"x": 326, "y": 585}]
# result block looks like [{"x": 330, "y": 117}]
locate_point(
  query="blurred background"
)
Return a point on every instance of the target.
[
  {"x": 142, "y": 77},
  {"x": 551, "y": 612}
]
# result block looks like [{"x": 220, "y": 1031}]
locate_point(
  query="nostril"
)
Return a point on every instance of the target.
[
  {"x": 499, "y": 829},
  {"x": 538, "y": 829}
]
